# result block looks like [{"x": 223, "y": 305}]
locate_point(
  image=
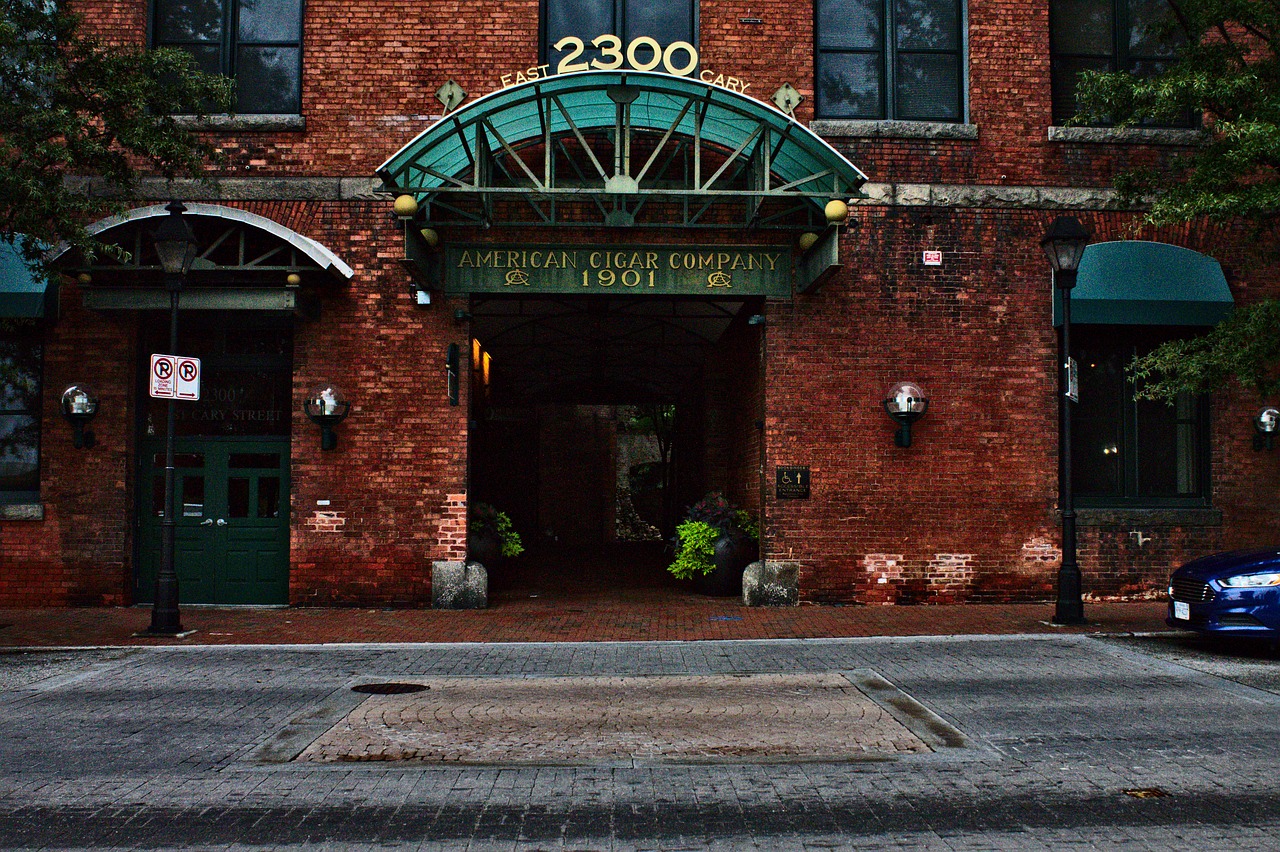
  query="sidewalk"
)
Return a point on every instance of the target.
[{"x": 640, "y": 615}]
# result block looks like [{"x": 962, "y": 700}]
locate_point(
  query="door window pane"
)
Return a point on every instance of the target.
[
  {"x": 268, "y": 497},
  {"x": 238, "y": 497},
  {"x": 192, "y": 496},
  {"x": 243, "y": 460}
]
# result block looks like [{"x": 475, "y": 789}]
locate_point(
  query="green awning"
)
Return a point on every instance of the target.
[
  {"x": 23, "y": 294},
  {"x": 1130, "y": 282},
  {"x": 629, "y": 134}
]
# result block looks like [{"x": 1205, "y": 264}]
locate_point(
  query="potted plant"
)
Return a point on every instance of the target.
[
  {"x": 491, "y": 535},
  {"x": 714, "y": 543}
]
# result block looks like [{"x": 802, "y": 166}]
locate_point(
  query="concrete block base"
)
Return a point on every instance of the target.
[
  {"x": 459, "y": 585},
  {"x": 771, "y": 584}
]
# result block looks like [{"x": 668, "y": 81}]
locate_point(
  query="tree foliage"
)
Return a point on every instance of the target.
[
  {"x": 1228, "y": 71},
  {"x": 72, "y": 107}
]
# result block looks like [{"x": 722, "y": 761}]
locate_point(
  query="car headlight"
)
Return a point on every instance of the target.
[{"x": 1251, "y": 581}]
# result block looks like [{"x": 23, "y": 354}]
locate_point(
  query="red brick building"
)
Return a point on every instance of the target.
[{"x": 609, "y": 207}]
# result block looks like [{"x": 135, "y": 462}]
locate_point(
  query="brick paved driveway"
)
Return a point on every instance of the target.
[{"x": 173, "y": 748}]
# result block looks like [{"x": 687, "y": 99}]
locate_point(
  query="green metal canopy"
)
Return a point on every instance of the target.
[
  {"x": 1131, "y": 282},
  {"x": 22, "y": 293},
  {"x": 617, "y": 141}
]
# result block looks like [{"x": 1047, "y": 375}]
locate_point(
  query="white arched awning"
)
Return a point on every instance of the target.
[{"x": 244, "y": 262}]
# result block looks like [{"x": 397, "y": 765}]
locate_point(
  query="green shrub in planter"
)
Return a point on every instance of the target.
[{"x": 697, "y": 550}]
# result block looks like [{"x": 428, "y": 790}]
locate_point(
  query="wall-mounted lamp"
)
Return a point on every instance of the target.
[
  {"x": 327, "y": 406},
  {"x": 405, "y": 207},
  {"x": 1266, "y": 424},
  {"x": 79, "y": 405},
  {"x": 906, "y": 403}
]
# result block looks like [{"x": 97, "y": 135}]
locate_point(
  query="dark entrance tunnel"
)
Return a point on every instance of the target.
[{"x": 596, "y": 420}]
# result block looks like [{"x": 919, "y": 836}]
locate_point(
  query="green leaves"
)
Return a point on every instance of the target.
[
  {"x": 71, "y": 108},
  {"x": 1245, "y": 346},
  {"x": 697, "y": 551}
]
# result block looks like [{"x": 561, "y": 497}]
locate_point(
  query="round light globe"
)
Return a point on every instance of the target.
[
  {"x": 807, "y": 241},
  {"x": 837, "y": 211},
  {"x": 405, "y": 205}
]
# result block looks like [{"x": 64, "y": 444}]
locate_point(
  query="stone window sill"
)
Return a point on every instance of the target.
[
  {"x": 1199, "y": 517},
  {"x": 21, "y": 511},
  {"x": 250, "y": 123},
  {"x": 1127, "y": 135},
  {"x": 893, "y": 129}
]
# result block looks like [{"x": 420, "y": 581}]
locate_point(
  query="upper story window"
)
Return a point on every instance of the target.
[
  {"x": 890, "y": 59},
  {"x": 258, "y": 42},
  {"x": 664, "y": 21},
  {"x": 1126, "y": 451},
  {"x": 20, "y": 363},
  {"x": 1106, "y": 35}
]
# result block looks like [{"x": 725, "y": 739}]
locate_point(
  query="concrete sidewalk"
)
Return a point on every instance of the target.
[{"x": 638, "y": 615}]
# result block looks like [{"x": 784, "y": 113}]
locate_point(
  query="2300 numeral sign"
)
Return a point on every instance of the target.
[{"x": 612, "y": 55}]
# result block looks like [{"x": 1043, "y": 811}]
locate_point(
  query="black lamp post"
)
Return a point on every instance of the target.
[
  {"x": 176, "y": 246},
  {"x": 1065, "y": 244}
]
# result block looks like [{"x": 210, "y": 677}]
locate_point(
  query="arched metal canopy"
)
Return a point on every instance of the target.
[
  {"x": 244, "y": 262},
  {"x": 618, "y": 141},
  {"x": 305, "y": 251}
]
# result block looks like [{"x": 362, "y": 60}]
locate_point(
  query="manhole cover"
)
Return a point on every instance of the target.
[
  {"x": 389, "y": 688},
  {"x": 1146, "y": 793}
]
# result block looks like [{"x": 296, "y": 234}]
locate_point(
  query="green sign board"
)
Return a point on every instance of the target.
[{"x": 684, "y": 270}]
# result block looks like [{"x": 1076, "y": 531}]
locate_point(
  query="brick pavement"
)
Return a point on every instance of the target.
[{"x": 653, "y": 615}]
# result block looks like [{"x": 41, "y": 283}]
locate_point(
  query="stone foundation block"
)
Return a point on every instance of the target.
[
  {"x": 771, "y": 584},
  {"x": 459, "y": 585}
]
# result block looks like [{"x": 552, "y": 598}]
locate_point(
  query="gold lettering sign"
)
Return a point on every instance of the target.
[
  {"x": 656, "y": 270},
  {"x": 643, "y": 53}
]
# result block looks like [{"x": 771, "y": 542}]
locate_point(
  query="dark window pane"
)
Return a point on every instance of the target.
[
  {"x": 1065, "y": 72},
  {"x": 192, "y": 496},
  {"x": 19, "y": 452},
  {"x": 1097, "y": 433},
  {"x": 665, "y": 21},
  {"x": 928, "y": 87},
  {"x": 180, "y": 460},
  {"x": 849, "y": 85},
  {"x": 1082, "y": 27},
  {"x": 268, "y": 497},
  {"x": 267, "y": 80},
  {"x": 1150, "y": 33},
  {"x": 1167, "y": 457},
  {"x": 244, "y": 460},
  {"x": 585, "y": 19},
  {"x": 238, "y": 497},
  {"x": 20, "y": 369},
  {"x": 208, "y": 59},
  {"x": 270, "y": 20},
  {"x": 856, "y": 24},
  {"x": 926, "y": 24},
  {"x": 188, "y": 20}
]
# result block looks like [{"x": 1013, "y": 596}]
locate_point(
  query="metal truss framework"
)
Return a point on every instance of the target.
[{"x": 622, "y": 150}]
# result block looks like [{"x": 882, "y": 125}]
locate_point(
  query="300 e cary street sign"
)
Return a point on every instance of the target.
[{"x": 682, "y": 270}]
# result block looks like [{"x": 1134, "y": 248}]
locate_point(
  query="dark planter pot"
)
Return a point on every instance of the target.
[
  {"x": 485, "y": 547},
  {"x": 734, "y": 552}
]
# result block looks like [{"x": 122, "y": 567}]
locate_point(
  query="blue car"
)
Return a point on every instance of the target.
[{"x": 1228, "y": 594}]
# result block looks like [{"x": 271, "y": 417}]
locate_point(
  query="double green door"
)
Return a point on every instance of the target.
[{"x": 231, "y": 544}]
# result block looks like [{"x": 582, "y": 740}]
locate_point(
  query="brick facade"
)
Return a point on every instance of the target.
[{"x": 966, "y": 513}]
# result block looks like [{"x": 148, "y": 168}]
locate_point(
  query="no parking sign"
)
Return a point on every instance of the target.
[{"x": 175, "y": 377}]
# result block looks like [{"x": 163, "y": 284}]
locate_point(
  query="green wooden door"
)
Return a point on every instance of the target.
[{"x": 231, "y": 545}]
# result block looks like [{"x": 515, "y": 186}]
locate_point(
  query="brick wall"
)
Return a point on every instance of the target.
[{"x": 966, "y": 513}]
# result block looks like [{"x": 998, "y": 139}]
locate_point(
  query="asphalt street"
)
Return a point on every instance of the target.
[{"x": 1034, "y": 742}]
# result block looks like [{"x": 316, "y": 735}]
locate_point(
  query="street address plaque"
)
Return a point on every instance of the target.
[{"x": 793, "y": 483}]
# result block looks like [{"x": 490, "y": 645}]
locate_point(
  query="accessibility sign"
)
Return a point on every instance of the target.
[{"x": 175, "y": 377}]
